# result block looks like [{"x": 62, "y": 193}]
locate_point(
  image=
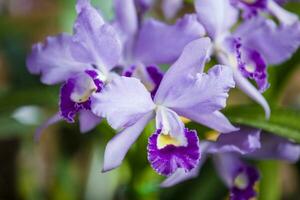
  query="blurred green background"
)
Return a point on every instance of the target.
[{"x": 67, "y": 165}]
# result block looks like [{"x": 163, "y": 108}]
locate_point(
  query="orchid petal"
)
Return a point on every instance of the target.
[
  {"x": 88, "y": 121},
  {"x": 191, "y": 61},
  {"x": 169, "y": 40},
  {"x": 122, "y": 102},
  {"x": 217, "y": 16},
  {"x": 284, "y": 16},
  {"x": 275, "y": 43},
  {"x": 53, "y": 60},
  {"x": 52, "y": 120},
  {"x": 203, "y": 94},
  {"x": 126, "y": 16},
  {"x": 99, "y": 44},
  {"x": 216, "y": 121},
  {"x": 118, "y": 146},
  {"x": 251, "y": 91},
  {"x": 276, "y": 147},
  {"x": 244, "y": 141},
  {"x": 180, "y": 175}
]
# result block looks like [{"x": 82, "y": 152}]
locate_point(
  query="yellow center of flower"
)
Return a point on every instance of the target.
[
  {"x": 241, "y": 181},
  {"x": 164, "y": 140}
]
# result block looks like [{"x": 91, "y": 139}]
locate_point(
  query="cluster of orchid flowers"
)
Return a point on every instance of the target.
[{"x": 111, "y": 70}]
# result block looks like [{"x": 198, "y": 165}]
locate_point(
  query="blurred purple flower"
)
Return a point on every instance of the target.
[
  {"x": 128, "y": 106},
  {"x": 148, "y": 43},
  {"x": 238, "y": 176},
  {"x": 82, "y": 62},
  {"x": 254, "y": 44}
]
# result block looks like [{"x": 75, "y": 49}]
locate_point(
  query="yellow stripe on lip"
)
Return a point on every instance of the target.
[{"x": 165, "y": 140}]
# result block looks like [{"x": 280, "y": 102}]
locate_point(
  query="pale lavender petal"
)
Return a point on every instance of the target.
[
  {"x": 159, "y": 43},
  {"x": 244, "y": 141},
  {"x": 191, "y": 62},
  {"x": 217, "y": 16},
  {"x": 168, "y": 159},
  {"x": 122, "y": 102},
  {"x": 99, "y": 43},
  {"x": 284, "y": 16},
  {"x": 171, "y": 7},
  {"x": 126, "y": 16},
  {"x": 216, "y": 121},
  {"x": 118, "y": 146},
  {"x": 180, "y": 175},
  {"x": 203, "y": 94},
  {"x": 88, "y": 121},
  {"x": 275, "y": 43},
  {"x": 52, "y": 120},
  {"x": 226, "y": 165},
  {"x": 275, "y": 147},
  {"x": 53, "y": 60},
  {"x": 252, "y": 92}
]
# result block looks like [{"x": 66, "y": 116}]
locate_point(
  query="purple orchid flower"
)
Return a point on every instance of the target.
[
  {"x": 128, "y": 107},
  {"x": 143, "y": 39},
  {"x": 251, "y": 47},
  {"x": 238, "y": 176},
  {"x": 228, "y": 152},
  {"x": 82, "y": 62}
]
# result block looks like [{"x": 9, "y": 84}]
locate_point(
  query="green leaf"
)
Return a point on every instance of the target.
[
  {"x": 11, "y": 128},
  {"x": 283, "y": 122},
  {"x": 42, "y": 96},
  {"x": 279, "y": 77},
  {"x": 269, "y": 187}
]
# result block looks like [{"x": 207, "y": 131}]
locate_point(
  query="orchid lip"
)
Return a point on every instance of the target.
[
  {"x": 165, "y": 160},
  {"x": 244, "y": 183},
  {"x": 241, "y": 181},
  {"x": 76, "y": 92},
  {"x": 164, "y": 140}
]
